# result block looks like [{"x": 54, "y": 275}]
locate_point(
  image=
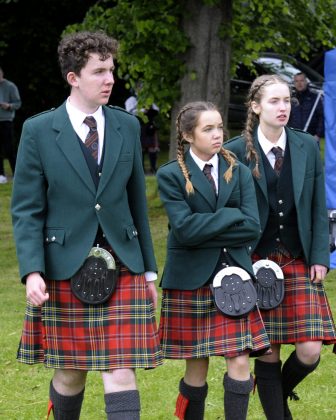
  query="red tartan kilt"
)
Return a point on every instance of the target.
[
  {"x": 304, "y": 314},
  {"x": 67, "y": 334},
  {"x": 192, "y": 327}
]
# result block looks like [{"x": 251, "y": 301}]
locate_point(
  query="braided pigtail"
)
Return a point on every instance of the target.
[
  {"x": 231, "y": 160},
  {"x": 180, "y": 142},
  {"x": 251, "y": 153}
]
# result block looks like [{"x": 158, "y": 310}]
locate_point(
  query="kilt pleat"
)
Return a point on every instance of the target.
[
  {"x": 304, "y": 314},
  {"x": 66, "y": 334},
  {"x": 192, "y": 327}
]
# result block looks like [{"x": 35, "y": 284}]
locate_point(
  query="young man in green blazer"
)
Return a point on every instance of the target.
[{"x": 80, "y": 184}]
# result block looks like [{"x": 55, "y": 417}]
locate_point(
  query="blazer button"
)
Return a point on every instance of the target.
[
  {"x": 280, "y": 201},
  {"x": 53, "y": 238},
  {"x": 97, "y": 207},
  {"x": 281, "y": 214}
]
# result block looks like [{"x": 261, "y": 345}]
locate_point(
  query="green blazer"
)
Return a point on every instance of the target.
[
  {"x": 56, "y": 208},
  {"x": 309, "y": 192},
  {"x": 201, "y": 226}
]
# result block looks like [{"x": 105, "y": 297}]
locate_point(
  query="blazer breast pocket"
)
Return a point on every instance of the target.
[
  {"x": 310, "y": 174},
  {"x": 234, "y": 199},
  {"x": 125, "y": 157}
]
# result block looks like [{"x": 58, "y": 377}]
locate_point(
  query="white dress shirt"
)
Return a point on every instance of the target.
[
  {"x": 267, "y": 145},
  {"x": 213, "y": 161},
  {"x": 77, "y": 120}
]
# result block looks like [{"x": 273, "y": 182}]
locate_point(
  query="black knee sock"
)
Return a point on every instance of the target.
[
  {"x": 190, "y": 404},
  {"x": 123, "y": 405},
  {"x": 65, "y": 407},
  {"x": 236, "y": 397},
  {"x": 293, "y": 372},
  {"x": 269, "y": 385}
]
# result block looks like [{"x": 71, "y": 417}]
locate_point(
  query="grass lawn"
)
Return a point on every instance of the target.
[{"x": 24, "y": 389}]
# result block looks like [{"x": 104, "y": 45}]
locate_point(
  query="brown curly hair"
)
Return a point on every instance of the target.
[
  {"x": 255, "y": 95},
  {"x": 74, "y": 50},
  {"x": 186, "y": 122}
]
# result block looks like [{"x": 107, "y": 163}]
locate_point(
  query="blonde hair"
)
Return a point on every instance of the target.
[
  {"x": 186, "y": 122},
  {"x": 255, "y": 95}
]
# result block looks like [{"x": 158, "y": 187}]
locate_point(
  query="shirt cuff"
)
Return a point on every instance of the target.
[{"x": 150, "y": 276}]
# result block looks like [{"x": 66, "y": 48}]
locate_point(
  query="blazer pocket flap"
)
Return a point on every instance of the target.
[
  {"x": 124, "y": 157},
  {"x": 54, "y": 235},
  {"x": 131, "y": 232}
]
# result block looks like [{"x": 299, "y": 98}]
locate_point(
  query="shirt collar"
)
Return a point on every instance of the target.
[
  {"x": 200, "y": 163},
  {"x": 267, "y": 145},
  {"x": 77, "y": 117}
]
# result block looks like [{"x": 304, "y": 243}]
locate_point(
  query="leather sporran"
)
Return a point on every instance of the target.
[
  {"x": 95, "y": 281},
  {"x": 269, "y": 284},
  {"x": 233, "y": 291}
]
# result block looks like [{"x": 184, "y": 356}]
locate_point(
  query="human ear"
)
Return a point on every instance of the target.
[
  {"x": 255, "y": 107},
  {"x": 72, "y": 78},
  {"x": 187, "y": 137}
]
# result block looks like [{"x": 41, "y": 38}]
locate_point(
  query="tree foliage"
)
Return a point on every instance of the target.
[
  {"x": 153, "y": 44},
  {"x": 296, "y": 27}
]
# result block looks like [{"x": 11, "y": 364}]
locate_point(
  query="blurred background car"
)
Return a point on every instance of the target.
[{"x": 283, "y": 65}]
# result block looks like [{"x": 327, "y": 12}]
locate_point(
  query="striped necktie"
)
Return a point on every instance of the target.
[
  {"x": 207, "y": 173},
  {"x": 91, "y": 141},
  {"x": 278, "y": 159}
]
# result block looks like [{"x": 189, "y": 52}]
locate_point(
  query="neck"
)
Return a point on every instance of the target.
[
  {"x": 271, "y": 133},
  {"x": 83, "y": 106}
]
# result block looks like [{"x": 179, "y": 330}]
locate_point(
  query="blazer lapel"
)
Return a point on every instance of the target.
[
  {"x": 112, "y": 144},
  {"x": 67, "y": 141},
  {"x": 224, "y": 188},
  {"x": 261, "y": 181},
  {"x": 199, "y": 181},
  {"x": 297, "y": 154}
]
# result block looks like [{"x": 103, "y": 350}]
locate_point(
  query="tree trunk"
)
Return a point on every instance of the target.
[{"x": 208, "y": 59}]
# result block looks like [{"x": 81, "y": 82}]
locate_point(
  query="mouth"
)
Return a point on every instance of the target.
[{"x": 282, "y": 117}]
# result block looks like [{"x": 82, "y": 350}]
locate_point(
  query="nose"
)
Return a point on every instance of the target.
[
  {"x": 218, "y": 132},
  {"x": 110, "y": 78},
  {"x": 284, "y": 105}
]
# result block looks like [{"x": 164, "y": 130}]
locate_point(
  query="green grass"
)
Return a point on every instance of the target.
[{"x": 24, "y": 389}]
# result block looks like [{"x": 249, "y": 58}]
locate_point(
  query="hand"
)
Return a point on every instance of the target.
[
  {"x": 153, "y": 292},
  {"x": 36, "y": 289},
  {"x": 5, "y": 105},
  {"x": 318, "y": 273}
]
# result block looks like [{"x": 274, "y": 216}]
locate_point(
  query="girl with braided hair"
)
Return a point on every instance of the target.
[
  {"x": 289, "y": 185},
  {"x": 212, "y": 219}
]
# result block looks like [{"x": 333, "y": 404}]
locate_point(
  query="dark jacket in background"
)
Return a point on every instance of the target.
[{"x": 301, "y": 110}]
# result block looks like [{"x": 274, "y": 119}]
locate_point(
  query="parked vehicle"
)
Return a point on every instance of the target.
[{"x": 283, "y": 65}]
